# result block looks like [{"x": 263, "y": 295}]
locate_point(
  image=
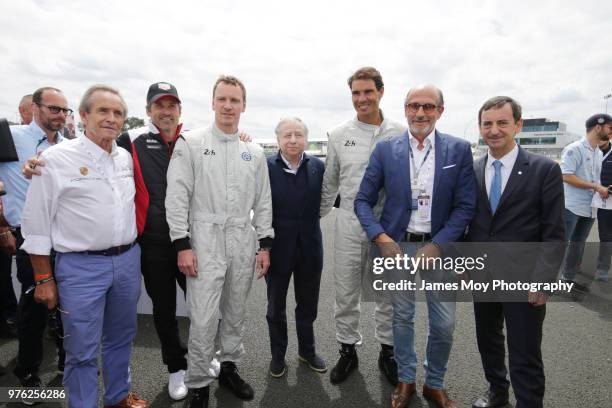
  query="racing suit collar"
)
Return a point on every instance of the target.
[
  {"x": 222, "y": 136},
  {"x": 367, "y": 126}
]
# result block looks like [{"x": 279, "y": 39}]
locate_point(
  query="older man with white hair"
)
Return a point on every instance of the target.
[
  {"x": 82, "y": 206},
  {"x": 295, "y": 181}
]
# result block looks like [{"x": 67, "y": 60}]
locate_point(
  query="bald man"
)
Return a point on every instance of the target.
[
  {"x": 25, "y": 109},
  {"x": 430, "y": 197}
]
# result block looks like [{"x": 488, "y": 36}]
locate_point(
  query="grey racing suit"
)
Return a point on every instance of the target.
[
  {"x": 214, "y": 182},
  {"x": 348, "y": 150}
]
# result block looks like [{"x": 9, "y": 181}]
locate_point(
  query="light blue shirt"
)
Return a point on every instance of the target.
[
  {"x": 29, "y": 140},
  {"x": 582, "y": 160}
]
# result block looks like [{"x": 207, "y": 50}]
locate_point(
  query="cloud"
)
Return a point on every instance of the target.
[{"x": 295, "y": 57}]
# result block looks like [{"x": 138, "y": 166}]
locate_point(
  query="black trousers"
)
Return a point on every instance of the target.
[
  {"x": 524, "y": 331},
  {"x": 161, "y": 274},
  {"x": 306, "y": 282},
  {"x": 8, "y": 300},
  {"x": 32, "y": 319}
]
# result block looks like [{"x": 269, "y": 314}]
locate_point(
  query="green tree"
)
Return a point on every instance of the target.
[{"x": 132, "y": 122}]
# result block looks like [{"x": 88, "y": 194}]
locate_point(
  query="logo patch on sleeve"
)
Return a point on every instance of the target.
[{"x": 246, "y": 156}]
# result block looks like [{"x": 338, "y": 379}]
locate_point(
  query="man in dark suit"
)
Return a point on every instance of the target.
[
  {"x": 295, "y": 181},
  {"x": 430, "y": 191},
  {"x": 520, "y": 199}
]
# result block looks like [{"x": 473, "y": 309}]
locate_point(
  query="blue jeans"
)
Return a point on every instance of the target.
[
  {"x": 604, "y": 225},
  {"x": 439, "y": 337},
  {"x": 99, "y": 296},
  {"x": 577, "y": 230}
]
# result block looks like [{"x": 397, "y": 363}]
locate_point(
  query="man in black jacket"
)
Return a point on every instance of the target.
[
  {"x": 151, "y": 153},
  {"x": 295, "y": 181},
  {"x": 520, "y": 199}
]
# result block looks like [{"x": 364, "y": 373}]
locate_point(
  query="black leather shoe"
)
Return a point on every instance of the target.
[
  {"x": 491, "y": 399},
  {"x": 199, "y": 398},
  {"x": 229, "y": 377},
  {"x": 347, "y": 362},
  {"x": 387, "y": 364}
]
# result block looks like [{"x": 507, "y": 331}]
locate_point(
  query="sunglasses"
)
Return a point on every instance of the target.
[{"x": 414, "y": 107}]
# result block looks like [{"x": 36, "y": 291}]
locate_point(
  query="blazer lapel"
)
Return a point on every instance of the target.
[
  {"x": 401, "y": 155},
  {"x": 480, "y": 168},
  {"x": 440, "y": 154},
  {"x": 518, "y": 174}
]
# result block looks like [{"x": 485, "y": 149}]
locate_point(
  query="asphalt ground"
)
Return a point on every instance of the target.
[{"x": 576, "y": 348}]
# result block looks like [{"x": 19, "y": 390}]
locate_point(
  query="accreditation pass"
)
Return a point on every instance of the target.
[{"x": 29, "y": 394}]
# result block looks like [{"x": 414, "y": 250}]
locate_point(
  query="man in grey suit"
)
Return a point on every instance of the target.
[{"x": 520, "y": 199}]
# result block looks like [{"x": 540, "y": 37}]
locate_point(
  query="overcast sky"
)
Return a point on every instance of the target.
[{"x": 554, "y": 57}]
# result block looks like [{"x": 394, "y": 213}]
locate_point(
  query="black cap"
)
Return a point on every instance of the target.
[
  {"x": 161, "y": 89},
  {"x": 598, "y": 119}
]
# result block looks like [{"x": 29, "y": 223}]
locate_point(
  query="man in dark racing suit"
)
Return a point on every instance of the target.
[{"x": 151, "y": 150}]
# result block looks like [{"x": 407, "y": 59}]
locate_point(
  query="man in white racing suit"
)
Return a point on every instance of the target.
[
  {"x": 214, "y": 182},
  {"x": 348, "y": 151}
]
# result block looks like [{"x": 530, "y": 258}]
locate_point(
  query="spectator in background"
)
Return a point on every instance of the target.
[
  {"x": 581, "y": 167},
  {"x": 25, "y": 109},
  {"x": 604, "y": 205},
  {"x": 50, "y": 108},
  {"x": 69, "y": 131},
  {"x": 8, "y": 300}
]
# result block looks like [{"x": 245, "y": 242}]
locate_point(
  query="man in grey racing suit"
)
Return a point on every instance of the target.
[
  {"x": 214, "y": 182},
  {"x": 348, "y": 151}
]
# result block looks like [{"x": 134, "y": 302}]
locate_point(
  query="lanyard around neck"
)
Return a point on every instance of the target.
[{"x": 415, "y": 171}]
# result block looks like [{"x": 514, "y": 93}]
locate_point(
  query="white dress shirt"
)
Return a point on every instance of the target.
[
  {"x": 507, "y": 162},
  {"x": 84, "y": 200},
  {"x": 425, "y": 179},
  {"x": 292, "y": 169}
]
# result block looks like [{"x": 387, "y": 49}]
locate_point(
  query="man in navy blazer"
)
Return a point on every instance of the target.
[
  {"x": 295, "y": 181},
  {"x": 525, "y": 205},
  {"x": 430, "y": 191}
]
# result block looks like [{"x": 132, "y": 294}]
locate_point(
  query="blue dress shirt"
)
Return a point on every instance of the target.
[
  {"x": 584, "y": 161},
  {"x": 29, "y": 140}
]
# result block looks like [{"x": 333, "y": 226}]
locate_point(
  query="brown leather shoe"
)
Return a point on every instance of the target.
[
  {"x": 402, "y": 394},
  {"x": 438, "y": 397},
  {"x": 131, "y": 401}
]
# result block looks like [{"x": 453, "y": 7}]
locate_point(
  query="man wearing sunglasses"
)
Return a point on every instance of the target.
[
  {"x": 430, "y": 197},
  {"x": 49, "y": 108}
]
